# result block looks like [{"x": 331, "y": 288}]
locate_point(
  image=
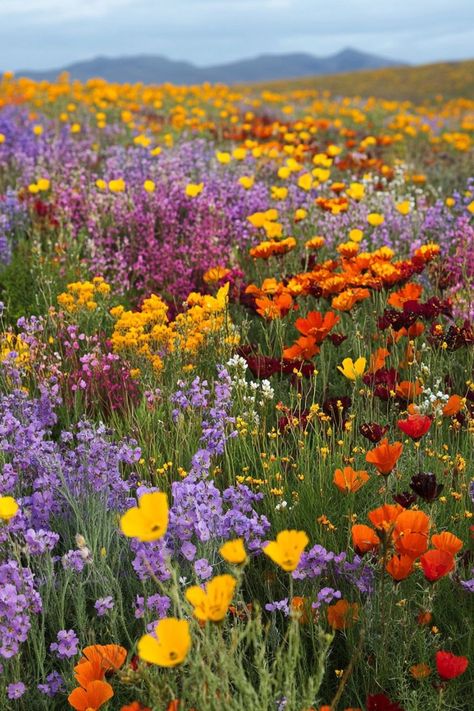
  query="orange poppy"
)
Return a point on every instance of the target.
[
  {"x": 277, "y": 307},
  {"x": 305, "y": 347},
  {"x": 342, "y": 614},
  {"x": 316, "y": 325},
  {"x": 348, "y": 480},
  {"x": 447, "y": 541},
  {"x": 385, "y": 516},
  {"x": 409, "y": 292},
  {"x": 95, "y": 695},
  {"x": 347, "y": 299},
  {"x": 436, "y": 564},
  {"x": 420, "y": 671},
  {"x": 385, "y": 456},
  {"x": 408, "y": 391},
  {"x": 411, "y": 533},
  {"x": 137, "y": 706},
  {"x": 453, "y": 406},
  {"x": 364, "y": 538},
  {"x": 377, "y": 360},
  {"x": 399, "y": 567},
  {"x": 98, "y": 659}
]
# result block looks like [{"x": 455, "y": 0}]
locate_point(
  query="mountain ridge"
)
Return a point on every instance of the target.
[{"x": 158, "y": 69}]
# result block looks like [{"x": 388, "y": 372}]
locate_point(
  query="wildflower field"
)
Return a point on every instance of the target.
[{"x": 236, "y": 400}]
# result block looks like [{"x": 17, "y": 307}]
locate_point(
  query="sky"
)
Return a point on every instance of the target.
[{"x": 44, "y": 34}]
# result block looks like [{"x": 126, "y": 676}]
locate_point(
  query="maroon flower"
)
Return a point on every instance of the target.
[
  {"x": 373, "y": 431},
  {"x": 380, "y": 702},
  {"x": 405, "y": 499},
  {"x": 425, "y": 485}
]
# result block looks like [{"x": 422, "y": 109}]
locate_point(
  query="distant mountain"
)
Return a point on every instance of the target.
[{"x": 155, "y": 69}]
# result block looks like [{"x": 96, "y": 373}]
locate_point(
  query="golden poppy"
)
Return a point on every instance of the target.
[
  {"x": 364, "y": 538},
  {"x": 353, "y": 369},
  {"x": 287, "y": 549},
  {"x": 95, "y": 695},
  {"x": 234, "y": 551},
  {"x": 8, "y": 508},
  {"x": 171, "y": 645},
  {"x": 447, "y": 541},
  {"x": 213, "y": 602},
  {"x": 149, "y": 520}
]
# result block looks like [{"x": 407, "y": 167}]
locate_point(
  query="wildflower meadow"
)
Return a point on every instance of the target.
[{"x": 236, "y": 399}]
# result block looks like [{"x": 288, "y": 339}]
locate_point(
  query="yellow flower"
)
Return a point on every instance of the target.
[
  {"x": 8, "y": 507},
  {"x": 101, "y": 184},
  {"x": 450, "y": 202},
  {"x": 149, "y": 186},
  {"x": 470, "y": 207},
  {"x": 223, "y": 157},
  {"x": 356, "y": 191},
  {"x": 149, "y": 520},
  {"x": 193, "y": 189},
  {"x": 171, "y": 645},
  {"x": 287, "y": 549},
  {"x": 356, "y": 235},
  {"x": 239, "y": 153},
  {"x": 2, "y": 138},
  {"x": 351, "y": 369},
  {"x": 375, "y": 219},
  {"x": 43, "y": 184},
  {"x": 37, "y": 130},
  {"x": 404, "y": 207},
  {"x": 305, "y": 181},
  {"x": 234, "y": 551},
  {"x": 76, "y": 128},
  {"x": 213, "y": 602},
  {"x": 117, "y": 186},
  {"x": 247, "y": 181}
]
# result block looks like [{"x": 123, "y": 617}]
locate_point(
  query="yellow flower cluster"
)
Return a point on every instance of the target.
[
  {"x": 148, "y": 332},
  {"x": 83, "y": 295},
  {"x": 11, "y": 343}
]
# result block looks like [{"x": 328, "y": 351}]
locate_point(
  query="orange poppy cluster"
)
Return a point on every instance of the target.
[
  {"x": 97, "y": 661},
  {"x": 404, "y": 537}
]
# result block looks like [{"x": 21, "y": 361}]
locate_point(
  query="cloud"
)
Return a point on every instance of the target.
[{"x": 48, "y": 33}]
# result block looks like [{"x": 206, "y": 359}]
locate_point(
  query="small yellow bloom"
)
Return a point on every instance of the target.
[
  {"x": 149, "y": 186},
  {"x": 213, "y": 602},
  {"x": 43, "y": 184},
  {"x": 2, "y": 138},
  {"x": 101, "y": 184},
  {"x": 234, "y": 551},
  {"x": 470, "y": 207},
  {"x": 404, "y": 208},
  {"x": 38, "y": 130},
  {"x": 194, "y": 189},
  {"x": 351, "y": 369},
  {"x": 356, "y": 235},
  {"x": 287, "y": 549},
  {"x": 375, "y": 219},
  {"x": 171, "y": 645},
  {"x": 8, "y": 507},
  {"x": 247, "y": 181},
  {"x": 117, "y": 186},
  {"x": 149, "y": 520},
  {"x": 223, "y": 157}
]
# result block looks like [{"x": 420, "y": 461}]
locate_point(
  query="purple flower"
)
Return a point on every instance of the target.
[
  {"x": 53, "y": 684},
  {"x": 66, "y": 645},
  {"x": 278, "y": 606},
  {"x": 103, "y": 605},
  {"x": 203, "y": 568},
  {"x": 16, "y": 691}
]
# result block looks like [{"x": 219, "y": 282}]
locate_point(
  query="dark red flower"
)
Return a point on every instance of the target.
[
  {"x": 337, "y": 338},
  {"x": 450, "y": 666},
  {"x": 415, "y": 426},
  {"x": 262, "y": 366},
  {"x": 425, "y": 486},
  {"x": 373, "y": 431},
  {"x": 405, "y": 499},
  {"x": 336, "y": 408},
  {"x": 380, "y": 702}
]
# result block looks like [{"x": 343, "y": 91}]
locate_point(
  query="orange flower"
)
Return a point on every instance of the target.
[
  {"x": 277, "y": 307},
  {"x": 409, "y": 292},
  {"x": 316, "y": 325},
  {"x": 349, "y": 481},
  {"x": 377, "y": 360},
  {"x": 385, "y": 456},
  {"x": 305, "y": 347},
  {"x": 137, "y": 706},
  {"x": 342, "y": 614},
  {"x": 408, "y": 391},
  {"x": 95, "y": 695},
  {"x": 385, "y": 516},
  {"x": 453, "y": 406},
  {"x": 399, "y": 567},
  {"x": 420, "y": 671},
  {"x": 447, "y": 542},
  {"x": 424, "y": 618},
  {"x": 436, "y": 564},
  {"x": 411, "y": 533},
  {"x": 98, "y": 659},
  {"x": 364, "y": 538},
  {"x": 347, "y": 299}
]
